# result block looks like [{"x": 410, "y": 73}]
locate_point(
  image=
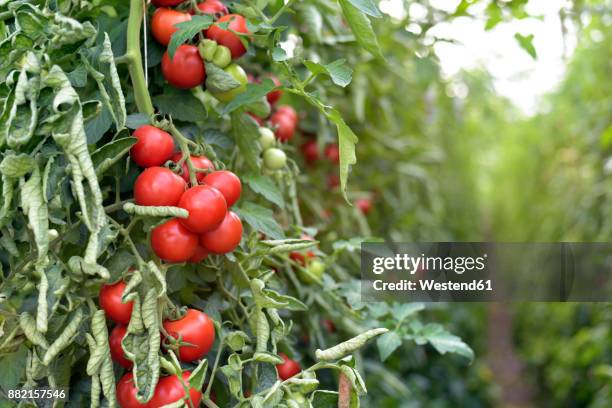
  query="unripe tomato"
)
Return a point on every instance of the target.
[
  {"x": 110, "y": 302},
  {"x": 332, "y": 153},
  {"x": 214, "y": 7},
  {"x": 126, "y": 393},
  {"x": 226, "y": 237},
  {"x": 166, "y": 3},
  {"x": 199, "y": 162},
  {"x": 200, "y": 254},
  {"x": 284, "y": 125},
  {"x": 227, "y": 38},
  {"x": 195, "y": 328},
  {"x": 275, "y": 95},
  {"x": 266, "y": 138},
  {"x": 172, "y": 242},
  {"x": 274, "y": 159},
  {"x": 163, "y": 23},
  {"x": 287, "y": 369},
  {"x": 316, "y": 269},
  {"x": 153, "y": 148},
  {"x": 236, "y": 72},
  {"x": 227, "y": 183},
  {"x": 364, "y": 205},
  {"x": 158, "y": 186},
  {"x": 206, "y": 207},
  {"x": 310, "y": 151},
  {"x": 288, "y": 111},
  {"x": 116, "y": 350},
  {"x": 186, "y": 70}
]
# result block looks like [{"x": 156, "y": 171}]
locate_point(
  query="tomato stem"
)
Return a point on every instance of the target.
[
  {"x": 133, "y": 57},
  {"x": 184, "y": 146}
]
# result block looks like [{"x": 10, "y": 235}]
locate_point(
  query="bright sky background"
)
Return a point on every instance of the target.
[{"x": 516, "y": 75}]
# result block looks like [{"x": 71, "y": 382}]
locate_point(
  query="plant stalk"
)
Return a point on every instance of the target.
[{"x": 134, "y": 58}]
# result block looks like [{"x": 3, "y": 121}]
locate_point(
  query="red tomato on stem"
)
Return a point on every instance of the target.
[
  {"x": 226, "y": 237},
  {"x": 206, "y": 206},
  {"x": 275, "y": 95},
  {"x": 126, "y": 393},
  {"x": 158, "y": 186},
  {"x": 163, "y": 23},
  {"x": 227, "y": 38},
  {"x": 200, "y": 254},
  {"x": 214, "y": 7},
  {"x": 195, "y": 328},
  {"x": 287, "y": 369},
  {"x": 166, "y": 3},
  {"x": 284, "y": 126},
  {"x": 227, "y": 183},
  {"x": 116, "y": 350},
  {"x": 199, "y": 162},
  {"x": 172, "y": 242},
  {"x": 186, "y": 70},
  {"x": 110, "y": 302},
  {"x": 288, "y": 111},
  {"x": 310, "y": 151},
  {"x": 153, "y": 148},
  {"x": 170, "y": 389},
  {"x": 332, "y": 153},
  {"x": 364, "y": 205}
]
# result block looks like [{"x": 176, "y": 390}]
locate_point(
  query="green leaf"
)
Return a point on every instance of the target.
[
  {"x": 361, "y": 27},
  {"x": 313, "y": 20},
  {"x": 181, "y": 105},
  {"x": 246, "y": 134},
  {"x": 111, "y": 153},
  {"x": 266, "y": 357},
  {"x": 605, "y": 139},
  {"x": 16, "y": 165},
  {"x": 387, "y": 344},
  {"x": 339, "y": 72},
  {"x": 279, "y": 54},
  {"x": 367, "y": 6},
  {"x": 217, "y": 80},
  {"x": 136, "y": 120},
  {"x": 253, "y": 94},
  {"x": 265, "y": 187},
  {"x": 445, "y": 342},
  {"x": 187, "y": 30},
  {"x": 261, "y": 219},
  {"x": 13, "y": 371},
  {"x": 526, "y": 43},
  {"x": 324, "y": 399},
  {"x": 346, "y": 141}
]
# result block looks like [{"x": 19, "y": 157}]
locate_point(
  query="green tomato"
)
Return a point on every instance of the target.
[
  {"x": 239, "y": 75},
  {"x": 274, "y": 159},
  {"x": 266, "y": 138},
  {"x": 316, "y": 269}
]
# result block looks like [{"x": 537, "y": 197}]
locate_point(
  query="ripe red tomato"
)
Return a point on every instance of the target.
[
  {"x": 226, "y": 237},
  {"x": 166, "y": 3},
  {"x": 212, "y": 7},
  {"x": 200, "y": 254},
  {"x": 332, "y": 153},
  {"x": 227, "y": 38},
  {"x": 126, "y": 393},
  {"x": 304, "y": 256},
  {"x": 195, "y": 328},
  {"x": 329, "y": 325},
  {"x": 172, "y": 242},
  {"x": 199, "y": 162},
  {"x": 206, "y": 207},
  {"x": 186, "y": 70},
  {"x": 168, "y": 390},
  {"x": 284, "y": 125},
  {"x": 227, "y": 183},
  {"x": 333, "y": 181},
  {"x": 116, "y": 350},
  {"x": 110, "y": 302},
  {"x": 310, "y": 151},
  {"x": 364, "y": 205},
  {"x": 153, "y": 148},
  {"x": 158, "y": 186},
  {"x": 287, "y": 369},
  {"x": 163, "y": 23},
  {"x": 274, "y": 96},
  {"x": 287, "y": 111}
]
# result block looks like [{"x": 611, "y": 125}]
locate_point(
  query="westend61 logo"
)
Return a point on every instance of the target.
[
  {"x": 414, "y": 264},
  {"x": 486, "y": 271}
]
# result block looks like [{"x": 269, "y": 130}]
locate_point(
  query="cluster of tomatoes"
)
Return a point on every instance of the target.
[
  {"x": 210, "y": 226},
  {"x": 314, "y": 267},
  {"x": 284, "y": 120},
  {"x": 195, "y": 331}
]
